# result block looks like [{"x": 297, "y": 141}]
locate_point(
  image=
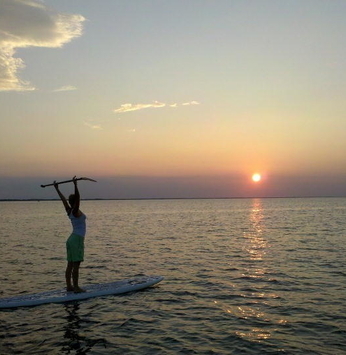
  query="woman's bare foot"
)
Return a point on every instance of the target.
[
  {"x": 78, "y": 290},
  {"x": 69, "y": 288}
]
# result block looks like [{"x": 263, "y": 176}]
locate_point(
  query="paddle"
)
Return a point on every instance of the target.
[{"x": 66, "y": 181}]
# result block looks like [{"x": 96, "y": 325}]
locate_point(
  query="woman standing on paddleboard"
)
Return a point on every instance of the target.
[{"x": 75, "y": 243}]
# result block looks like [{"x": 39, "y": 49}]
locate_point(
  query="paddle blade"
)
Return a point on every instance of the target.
[{"x": 85, "y": 178}]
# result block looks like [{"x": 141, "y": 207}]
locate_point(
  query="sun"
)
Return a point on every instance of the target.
[{"x": 256, "y": 177}]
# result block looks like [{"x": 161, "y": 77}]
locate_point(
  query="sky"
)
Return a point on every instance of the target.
[{"x": 173, "y": 98}]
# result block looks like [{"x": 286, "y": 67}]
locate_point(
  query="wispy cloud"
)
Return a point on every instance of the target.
[
  {"x": 91, "y": 125},
  {"x": 135, "y": 107},
  {"x": 29, "y": 23},
  {"x": 66, "y": 88},
  {"x": 156, "y": 104},
  {"x": 190, "y": 103}
]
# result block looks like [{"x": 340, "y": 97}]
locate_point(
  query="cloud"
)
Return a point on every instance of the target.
[
  {"x": 29, "y": 23},
  {"x": 93, "y": 126},
  {"x": 66, "y": 88},
  {"x": 190, "y": 103},
  {"x": 156, "y": 104},
  {"x": 135, "y": 107}
]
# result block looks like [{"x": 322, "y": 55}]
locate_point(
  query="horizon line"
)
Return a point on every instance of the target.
[{"x": 167, "y": 198}]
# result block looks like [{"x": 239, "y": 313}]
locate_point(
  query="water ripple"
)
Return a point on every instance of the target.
[{"x": 241, "y": 277}]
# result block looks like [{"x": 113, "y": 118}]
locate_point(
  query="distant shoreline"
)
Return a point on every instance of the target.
[{"x": 167, "y": 198}]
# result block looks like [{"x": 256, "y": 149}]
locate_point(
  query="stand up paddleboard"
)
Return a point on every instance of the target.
[{"x": 60, "y": 296}]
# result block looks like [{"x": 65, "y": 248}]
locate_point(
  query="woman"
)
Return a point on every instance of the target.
[{"x": 75, "y": 243}]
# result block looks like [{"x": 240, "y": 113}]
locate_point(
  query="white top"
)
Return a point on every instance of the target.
[{"x": 78, "y": 224}]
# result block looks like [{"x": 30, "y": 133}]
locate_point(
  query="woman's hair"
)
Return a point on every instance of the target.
[{"x": 71, "y": 200}]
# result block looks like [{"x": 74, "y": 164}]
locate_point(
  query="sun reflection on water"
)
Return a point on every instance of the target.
[
  {"x": 255, "y": 334},
  {"x": 256, "y": 283},
  {"x": 256, "y": 243},
  {"x": 255, "y": 292}
]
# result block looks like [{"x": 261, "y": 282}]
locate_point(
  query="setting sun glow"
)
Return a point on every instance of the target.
[{"x": 256, "y": 177}]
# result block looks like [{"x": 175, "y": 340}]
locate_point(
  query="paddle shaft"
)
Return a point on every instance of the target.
[{"x": 66, "y": 181}]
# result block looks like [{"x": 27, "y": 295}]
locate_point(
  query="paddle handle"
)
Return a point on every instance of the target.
[{"x": 66, "y": 181}]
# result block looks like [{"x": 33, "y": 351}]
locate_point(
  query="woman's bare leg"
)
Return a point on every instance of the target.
[
  {"x": 68, "y": 276},
  {"x": 75, "y": 277}
]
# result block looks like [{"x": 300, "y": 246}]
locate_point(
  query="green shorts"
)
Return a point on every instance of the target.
[{"x": 75, "y": 248}]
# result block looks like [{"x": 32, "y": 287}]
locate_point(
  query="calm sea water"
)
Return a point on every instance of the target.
[{"x": 252, "y": 276}]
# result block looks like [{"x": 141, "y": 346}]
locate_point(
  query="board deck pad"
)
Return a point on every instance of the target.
[{"x": 96, "y": 290}]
